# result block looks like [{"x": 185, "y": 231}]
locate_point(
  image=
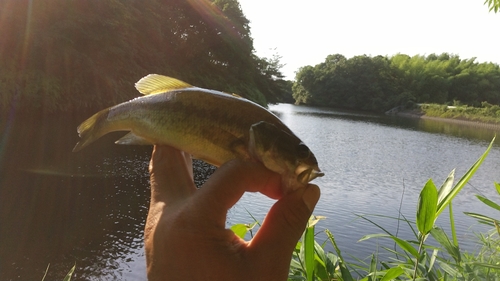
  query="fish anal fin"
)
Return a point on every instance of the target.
[
  {"x": 133, "y": 139},
  {"x": 157, "y": 84}
]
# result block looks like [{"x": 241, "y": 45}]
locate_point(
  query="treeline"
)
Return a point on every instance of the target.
[
  {"x": 380, "y": 83},
  {"x": 79, "y": 55}
]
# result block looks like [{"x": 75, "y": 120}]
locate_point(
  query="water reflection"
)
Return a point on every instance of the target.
[
  {"x": 63, "y": 208},
  {"x": 473, "y": 132},
  {"x": 89, "y": 207},
  {"x": 374, "y": 163}
]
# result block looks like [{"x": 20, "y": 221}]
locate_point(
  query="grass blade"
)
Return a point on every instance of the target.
[
  {"x": 461, "y": 183},
  {"x": 452, "y": 226},
  {"x": 45, "y": 274},
  {"x": 488, "y": 202},
  {"x": 446, "y": 186},
  {"x": 346, "y": 274},
  {"x": 309, "y": 252},
  {"x": 405, "y": 245},
  {"x": 483, "y": 218},
  {"x": 392, "y": 273},
  {"x": 70, "y": 273},
  {"x": 441, "y": 237}
]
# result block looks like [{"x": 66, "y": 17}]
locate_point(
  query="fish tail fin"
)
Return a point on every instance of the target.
[{"x": 92, "y": 129}]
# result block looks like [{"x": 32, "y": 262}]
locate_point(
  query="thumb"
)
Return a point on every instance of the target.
[{"x": 285, "y": 223}]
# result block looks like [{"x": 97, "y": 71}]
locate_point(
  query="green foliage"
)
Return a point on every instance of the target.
[
  {"x": 310, "y": 261},
  {"x": 486, "y": 113},
  {"x": 427, "y": 206},
  {"x": 485, "y": 219},
  {"x": 381, "y": 83},
  {"x": 494, "y": 5},
  {"x": 410, "y": 263},
  {"x": 77, "y": 55}
]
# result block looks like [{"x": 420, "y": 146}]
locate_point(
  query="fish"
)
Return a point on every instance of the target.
[{"x": 213, "y": 126}]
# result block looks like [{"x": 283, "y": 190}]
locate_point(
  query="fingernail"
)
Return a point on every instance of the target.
[{"x": 311, "y": 197}]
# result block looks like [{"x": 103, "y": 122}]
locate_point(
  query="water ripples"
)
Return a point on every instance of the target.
[{"x": 90, "y": 208}]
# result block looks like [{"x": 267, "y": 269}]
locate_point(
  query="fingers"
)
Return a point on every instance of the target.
[
  {"x": 171, "y": 174},
  {"x": 226, "y": 186},
  {"x": 285, "y": 223}
]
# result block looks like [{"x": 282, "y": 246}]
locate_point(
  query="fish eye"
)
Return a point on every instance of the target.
[{"x": 303, "y": 151}]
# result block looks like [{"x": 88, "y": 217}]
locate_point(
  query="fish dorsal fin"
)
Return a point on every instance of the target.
[{"x": 156, "y": 84}]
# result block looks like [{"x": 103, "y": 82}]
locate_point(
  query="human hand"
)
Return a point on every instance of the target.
[{"x": 185, "y": 234}]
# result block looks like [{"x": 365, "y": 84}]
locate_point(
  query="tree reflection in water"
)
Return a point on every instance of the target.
[{"x": 63, "y": 208}]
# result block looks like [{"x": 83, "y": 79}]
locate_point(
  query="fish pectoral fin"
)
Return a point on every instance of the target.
[
  {"x": 239, "y": 148},
  {"x": 133, "y": 139},
  {"x": 157, "y": 84}
]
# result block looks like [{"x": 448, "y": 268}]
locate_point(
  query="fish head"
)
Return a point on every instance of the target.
[{"x": 283, "y": 153}]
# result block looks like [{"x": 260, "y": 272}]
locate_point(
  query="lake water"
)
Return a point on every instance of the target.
[{"x": 89, "y": 207}]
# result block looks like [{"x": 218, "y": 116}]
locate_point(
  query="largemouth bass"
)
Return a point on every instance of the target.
[{"x": 210, "y": 125}]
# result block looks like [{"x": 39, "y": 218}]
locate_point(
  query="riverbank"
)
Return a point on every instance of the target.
[{"x": 461, "y": 121}]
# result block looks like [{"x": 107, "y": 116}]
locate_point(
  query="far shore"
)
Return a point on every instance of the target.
[{"x": 472, "y": 123}]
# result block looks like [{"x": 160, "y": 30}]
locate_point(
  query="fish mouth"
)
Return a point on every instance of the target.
[{"x": 308, "y": 174}]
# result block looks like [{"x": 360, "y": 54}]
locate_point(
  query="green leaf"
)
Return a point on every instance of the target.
[
  {"x": 320, "y": 267},
  {"x": 487, "y": 265},
  {"x": 309, "y": 252},
  {"x": 313, "y": 220},
  {"x": 392, "y": 273},
  {"x": 452, "y": 225},
  {"x": 433, "y": 259},
  {"x": 405, "y": 245},
  {"x": 373, "y": 266},
  {"x": 461, "y": 183},
  {"x": 488, "y": 202},
  {"x": 448, "y": 268},
  {"x": 447, "y": 186},
  {"x": 427, "y": 206},
  {"x": 346, "y": 274},
  {"x": 482, "y": 217},
  {"x": 443, "y": 239},
  {"x": 240, "y": 230},
  {"x": 319, "y": 255},
  {"x": 370, "y": 236},
  {"x": 70, "y": 273},
  {"x": 331, "y": 261},
  {"x": 497, "y": 186}
]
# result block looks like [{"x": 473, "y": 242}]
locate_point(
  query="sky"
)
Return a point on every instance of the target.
[{"x": 305, "y": 32}]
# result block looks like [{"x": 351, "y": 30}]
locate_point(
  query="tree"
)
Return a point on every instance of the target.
[
  {"x": 304, "y": 81},
  {"x": 85, "y": 55},
  {"x": 380, "y": 83},
  {"x": 494, "y": 5}
]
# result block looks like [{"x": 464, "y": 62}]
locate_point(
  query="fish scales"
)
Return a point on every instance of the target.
[{"x": 203, "y": 116}]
